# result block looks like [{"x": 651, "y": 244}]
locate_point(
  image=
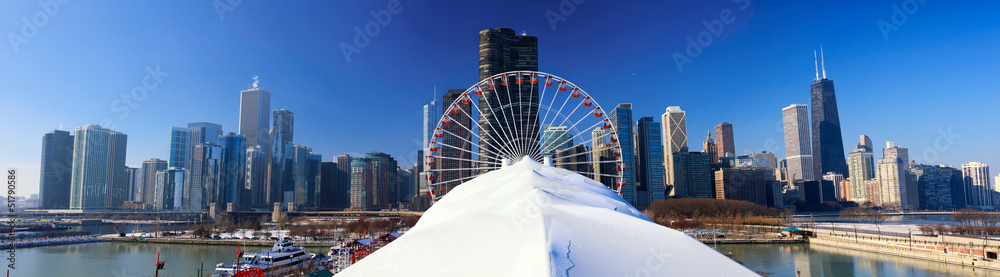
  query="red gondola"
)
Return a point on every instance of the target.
[
  {"x": 454, "y": 110},
  {"x": 503, "y": 79},
  {"x": 518, "y": 78},
  {"x": 438, "y": 133},
  {"x": 534, "y": 78},
  {"x": 446, "y": 121},
  {"x": 548, "y": 81},
  {"x": 587, "y": 102},
  {"x": 433, "y": 146},
  {"x": 477, "y": 91},
  {"x": 563, "y": 87},
  {"x": 614, "y": 139},
  {"x": 607, "y": 126},
  {"x": 621, "y": 184},
  {"x": 466, "y": 101},
  {"x": 429, "y": 160},
  {"x": 490, "y": 86},
  {"x": 428, "y": 192},
  {"x": 620, "y": 168},
  {"x": 598, "y": 113},
  {"x": 617, "y": 154}
]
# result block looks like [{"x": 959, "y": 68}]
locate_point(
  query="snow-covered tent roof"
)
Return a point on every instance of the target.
[{"x": 529, "y": 219}]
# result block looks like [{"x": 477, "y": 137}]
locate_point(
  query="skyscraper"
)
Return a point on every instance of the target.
[
  {"x": 978, "y": 191},
  {"x": 342, "y": 185},
  {"x": 205, "y": 174},
  {"x": 361, "y": 184},
  {"x": 256, "y": 177},
  {"x": 501, "y": 50},
  {"x": 934, "y": 182},
  {"x": 555, "y": 139},
  {"x": 281, "y": 135},
  {"x": 711, "y": 148},
  {"x": 168, "y": 193},
  {"x": 621, "y": 118},
  {"x": 202, "y": 132},
  {"x": 692, "y": 175},
  {"x": 891, "y": 176},
  {"x": 327, "y": 183},
  {"x": 910, "y": 194},
  {"x": 459, "y": 154},
  {"x": 674, "y": 137},
  {"x": 149, "y": 169},
  {"x": 371, "y": 180},
  {"x": 180, "y": 147},
  {"x": 861, "y": 163},
  {"x": 431, "y": 118},
  {"x": 649, "y": 165},
  {"x": 295, "y": 181},
  {"x": 827, "y": 142},
  {"x": 56, "y": 170},
  {"x": 99, "y": 176},
  {"x": 724, "y": 140},
  {"x": 232, "y": 187},
  {"x": 255, "y": 109},
  {"x": 835, "y": 179},
  {"x": 311, "y": 190},
  {"x": 744, "y": 184},
  {"x": 133, "y": 176},
  {"x": 797, "y": 145},
  {"x": 603, "y": 162}
]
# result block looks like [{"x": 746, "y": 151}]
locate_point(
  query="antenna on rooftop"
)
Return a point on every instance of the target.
[{"x": 821, "y": 62}]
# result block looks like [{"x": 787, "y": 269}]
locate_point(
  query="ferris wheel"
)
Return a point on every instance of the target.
[{"x": 512, "y": 115}]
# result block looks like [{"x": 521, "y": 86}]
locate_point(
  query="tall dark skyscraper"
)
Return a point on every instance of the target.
[
  {"x": 327, "y": 181},
  {"x": 501, "y": 50},
  {"x": 57, "y": 166},
  {"x": 281, "y": 140},
  {"x": 724, "y": 145},
  {"x": 342, "y": 183},
  {"x": 649, "y": 165},
  {"x": 827, "y": 141},
  {"x": 458, "y": 136},
  {"x": 621, "y": 117},
  {"x": 232, "y": 184}
]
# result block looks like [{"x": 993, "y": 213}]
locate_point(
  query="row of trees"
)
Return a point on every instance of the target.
[
  {"x": 862, "y": 214},
  {"x": 684, "y": 213},
  {"x": 965, "y": 230},
  {"x": 976, "y": 218}
]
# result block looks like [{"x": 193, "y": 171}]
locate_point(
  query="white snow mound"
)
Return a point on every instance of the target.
[{"x": 529, "y": 219}]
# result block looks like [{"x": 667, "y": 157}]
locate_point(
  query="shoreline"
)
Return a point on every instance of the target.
[{"x": 216, "y": 242}]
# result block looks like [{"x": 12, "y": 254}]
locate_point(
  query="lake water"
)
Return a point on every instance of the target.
[{"x": 116, "y": 259}]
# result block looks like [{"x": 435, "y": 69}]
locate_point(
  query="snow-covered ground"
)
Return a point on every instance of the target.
[{"x": 529, "y": 219}]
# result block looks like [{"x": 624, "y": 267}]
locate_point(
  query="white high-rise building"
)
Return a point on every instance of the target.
[
  {"x": 891, "y": 175},
  {"x": 978, "y": 191},
  {"x": 99, "y": 177},
  {"x": 431, "y": 118},
  {"x": 798, "y": 144},
  {"x": 674, "y": 137},
  {"x": 255, "y": 113}
]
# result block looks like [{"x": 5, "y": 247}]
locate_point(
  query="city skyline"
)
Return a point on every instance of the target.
[{"x": 861, "y": 98}]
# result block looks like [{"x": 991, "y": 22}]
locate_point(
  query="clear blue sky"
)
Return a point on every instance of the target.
[{"x": 936, "y": 71}]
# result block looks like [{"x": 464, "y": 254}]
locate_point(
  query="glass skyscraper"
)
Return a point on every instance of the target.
[
  {"x": 56, "y": 170},
  {"x": 798, "y": 146},
  {"x": 180, "y": 147},
  {"x": 205, "y": 171},
  {"x": 555, "y": 138},
  {"x": 232, "y": 183},
  {"x": 256, "y": 177},
  {"x": 621, "y": 117},
  {"x": 169, "y": 192},
  {"x": 281, "y": 142},
  {"x": 861, "y": 163},
  {"x": 99, "y": 176},
  {"x": 649, "y": 149}
]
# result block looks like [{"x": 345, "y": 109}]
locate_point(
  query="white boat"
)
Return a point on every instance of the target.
[{"x": 281, "y": 259}]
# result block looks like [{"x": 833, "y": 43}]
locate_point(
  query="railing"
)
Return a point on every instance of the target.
[{"x": 864, "y": 231}]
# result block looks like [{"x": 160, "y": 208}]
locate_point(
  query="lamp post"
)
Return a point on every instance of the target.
[
  {"x": 910, "y": 234},
  {"x": 879, "y": 231}
]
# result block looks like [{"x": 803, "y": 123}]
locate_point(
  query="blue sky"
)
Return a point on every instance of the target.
[{"x": 933, "y": 73}]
